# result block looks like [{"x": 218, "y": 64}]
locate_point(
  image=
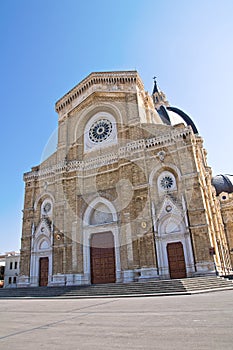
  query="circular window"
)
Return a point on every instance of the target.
[
  {"x": 166, "y": 182},
  {"x": 168, "y": 208},
  {"x": 47, "y": 207},
  {"x": 100, "y": 130}
]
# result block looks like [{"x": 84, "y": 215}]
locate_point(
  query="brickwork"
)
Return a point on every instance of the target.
[
  {"x": 125, "y": 175},
  {"x": 226, "y": 204}
]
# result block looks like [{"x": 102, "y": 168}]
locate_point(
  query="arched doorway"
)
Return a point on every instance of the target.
[
  {"x": 176, "y": 260},
  {"x": 171, "y": 228},
  {"x": 41, "y": 256},
  {"x": 100, "y": 218},
  {"x": 102, "y": 254}
]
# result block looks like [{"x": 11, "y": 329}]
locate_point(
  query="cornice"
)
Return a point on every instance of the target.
[{"x": 98, "y": 81}]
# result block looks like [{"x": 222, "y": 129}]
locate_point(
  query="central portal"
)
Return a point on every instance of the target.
[{"x": 103, "y": 269}]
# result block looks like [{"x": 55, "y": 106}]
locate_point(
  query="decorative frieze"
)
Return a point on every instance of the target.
[{"x": 106, "y": 159}]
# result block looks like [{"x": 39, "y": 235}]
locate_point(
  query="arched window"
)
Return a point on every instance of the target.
[
  {"x": 100, "y": 211},
  {"x": 44, "y": 244},
  {"x": 100, "y": 215}
]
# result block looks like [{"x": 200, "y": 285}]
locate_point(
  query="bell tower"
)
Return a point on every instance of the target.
[{"x": 159, "y": 98}]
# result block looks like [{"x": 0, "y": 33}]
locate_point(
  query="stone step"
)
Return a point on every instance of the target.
[
  {"x": 134, "y": 287},
  {"x": 155, "y": 287}
]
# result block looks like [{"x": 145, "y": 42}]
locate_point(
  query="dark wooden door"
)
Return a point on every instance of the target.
[
  {"x": 43, "y": 272},
  {"x": 176, "y": 260},
  {"x": 103, "y": 268}
]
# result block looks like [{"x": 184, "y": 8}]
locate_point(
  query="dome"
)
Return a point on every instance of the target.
[
  {"x": 174, "y": 116},
  {"x": 170, "y": 115},
  {"x": 181, "y": 117},
  {"x": 223, "y": 183}
]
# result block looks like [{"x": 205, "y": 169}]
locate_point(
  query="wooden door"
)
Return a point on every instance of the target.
[
  {"x": 176, "y": 260},
  {"x": 102, "y": 250},
  {"x": 43, "y": 272}
]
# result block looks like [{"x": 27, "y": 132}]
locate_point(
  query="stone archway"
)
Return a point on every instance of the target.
[
  {"x": 41, "y": 256},
  {"x": 173, "y": 246},
  {"x": 100, "y": 219}
]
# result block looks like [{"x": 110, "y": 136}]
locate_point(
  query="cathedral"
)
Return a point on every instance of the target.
[{"x": 128, "y": 194}]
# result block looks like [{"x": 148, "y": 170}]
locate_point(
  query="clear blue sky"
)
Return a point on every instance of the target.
[{"x": 48, "y": 46}]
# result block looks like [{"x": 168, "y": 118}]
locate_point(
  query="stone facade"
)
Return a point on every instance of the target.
[
  {"x": 226, "y": 207},
  {"x": 120, "y": 168}
]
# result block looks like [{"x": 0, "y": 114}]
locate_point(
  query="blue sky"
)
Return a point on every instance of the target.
[{"x": 47, "y": 47}]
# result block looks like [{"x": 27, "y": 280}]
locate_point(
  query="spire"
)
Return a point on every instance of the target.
[
  {"x": 158, "y": 96},
  {"x": 155, "y": 86}
]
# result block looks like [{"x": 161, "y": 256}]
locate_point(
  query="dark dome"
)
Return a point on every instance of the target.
[
  {"x": 184, "y": 116},
  {"x": 223, "y": 183},
  {"x": 173, "y": 116}
]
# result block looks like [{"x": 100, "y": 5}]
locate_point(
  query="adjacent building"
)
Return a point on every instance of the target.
[
  {"x": 12, "y": 262},
  {"x": 2, "y": 269}
]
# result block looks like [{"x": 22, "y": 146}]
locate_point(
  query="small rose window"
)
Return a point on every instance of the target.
[{"x": 166, "y": 181}]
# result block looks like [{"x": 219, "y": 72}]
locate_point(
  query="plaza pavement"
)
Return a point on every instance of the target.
[{"x": 203, "y": 321}]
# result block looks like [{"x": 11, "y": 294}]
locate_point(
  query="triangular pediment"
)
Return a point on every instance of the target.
[
  {"x": 44, "y": 228},
  {"x": 169, "y": 207}
]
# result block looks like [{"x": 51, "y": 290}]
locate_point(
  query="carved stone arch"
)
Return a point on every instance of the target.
[
  {"x": 42, "y": 243},
  {"x": 41, "y": 249},
  {"x": 164, "y": 167},
  {"x": 97, "y": 202},
  {"x": 102, "y": 228},
  {"x": 171, "y": 228},
  {"x": 100, "y": 215},
  {"x": 88, "y": 114},
  {"x": 171, "y": 223},
  {"x": 42, "y": 197}
]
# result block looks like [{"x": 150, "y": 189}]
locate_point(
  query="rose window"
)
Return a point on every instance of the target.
[
  {"x": 100, "y": 130},
  {"x": 167, "y": 182}
]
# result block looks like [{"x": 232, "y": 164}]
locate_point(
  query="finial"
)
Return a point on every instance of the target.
[{"x": 155, "y": 85}]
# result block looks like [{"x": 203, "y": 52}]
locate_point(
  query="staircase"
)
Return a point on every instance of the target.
[{"x": 185, "y": 286}]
